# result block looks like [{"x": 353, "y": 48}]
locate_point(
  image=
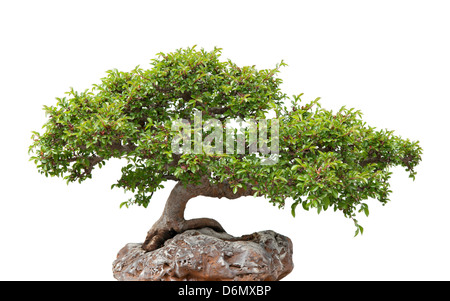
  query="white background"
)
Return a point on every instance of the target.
[{"x": 389, "y": 59}]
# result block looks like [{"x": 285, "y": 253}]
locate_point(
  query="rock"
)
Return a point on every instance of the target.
[{"x": 204, "y": 254}]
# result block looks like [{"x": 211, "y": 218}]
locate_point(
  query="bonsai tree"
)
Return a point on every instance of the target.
[{"x": 324, "y": 159}]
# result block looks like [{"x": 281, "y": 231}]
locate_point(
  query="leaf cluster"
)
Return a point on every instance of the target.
[{"x": 326, "y": 159}]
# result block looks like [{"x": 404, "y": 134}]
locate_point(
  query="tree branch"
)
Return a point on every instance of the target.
[
  {"x": 376, "y": 159},
  {"x": 220, "y": 190},
  {"x": 218, "y": 110}
]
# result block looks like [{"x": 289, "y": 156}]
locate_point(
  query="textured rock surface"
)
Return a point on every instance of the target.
[{"x": 207, "y": 255}]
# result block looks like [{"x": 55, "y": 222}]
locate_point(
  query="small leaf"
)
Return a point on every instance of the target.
[
  {"x": 293, "y": 206},
  {"x": 366, "y": 211},
  {"x": 335, "y": 193},
  {"x": 305, "y": 205}
]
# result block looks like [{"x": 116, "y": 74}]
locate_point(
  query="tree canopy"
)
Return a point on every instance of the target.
[{"x": 326, "y": 159}]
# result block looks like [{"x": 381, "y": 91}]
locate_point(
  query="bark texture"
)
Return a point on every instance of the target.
[{"x": 172, "y": 220}]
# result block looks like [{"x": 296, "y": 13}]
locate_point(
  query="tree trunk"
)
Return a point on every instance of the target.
[{"x": 172, "y": 219}]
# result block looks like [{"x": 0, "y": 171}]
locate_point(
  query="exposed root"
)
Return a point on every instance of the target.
[{"x": 162, "y": 231}]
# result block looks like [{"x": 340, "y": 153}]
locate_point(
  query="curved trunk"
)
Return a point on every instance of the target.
[{"x": 172, "y": 219}]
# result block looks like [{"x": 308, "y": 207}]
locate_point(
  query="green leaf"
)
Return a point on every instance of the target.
[
  {"x": 319, "y": 209},
  {"x": 293, "y": 206},
  {"x": 366, "y": 210},
  {"x": 305, "y": 205},
  {"x": 335, "y": 193}
]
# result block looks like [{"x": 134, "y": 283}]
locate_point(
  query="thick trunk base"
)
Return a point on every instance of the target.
[{"x": 172, "y": 221}]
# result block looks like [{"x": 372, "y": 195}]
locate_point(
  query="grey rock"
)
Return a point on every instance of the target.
[{"x": 204, "y": 254}]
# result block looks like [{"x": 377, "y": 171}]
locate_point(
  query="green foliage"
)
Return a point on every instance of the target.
[{"x": 326, "y": 160}]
